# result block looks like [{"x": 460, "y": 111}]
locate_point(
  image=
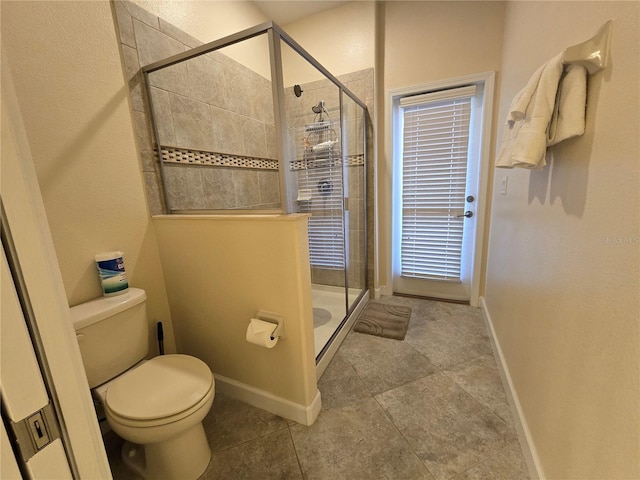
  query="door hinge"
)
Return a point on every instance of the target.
[{"x": 36, "y": 431}]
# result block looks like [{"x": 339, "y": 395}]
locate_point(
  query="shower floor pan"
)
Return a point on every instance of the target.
[{"x": 328, "y": 311}]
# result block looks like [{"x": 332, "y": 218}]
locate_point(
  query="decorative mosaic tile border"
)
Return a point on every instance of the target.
[
  {"x": 201, "y": 157},
  {"x": 187, "y": 156},
  {"x": 352, "y": 161}
]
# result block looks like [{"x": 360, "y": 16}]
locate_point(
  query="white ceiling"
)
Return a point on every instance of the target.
[{"x": 286, "y": 11}]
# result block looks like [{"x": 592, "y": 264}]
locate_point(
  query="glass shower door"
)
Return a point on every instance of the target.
[{"x": 314, "y": 155}]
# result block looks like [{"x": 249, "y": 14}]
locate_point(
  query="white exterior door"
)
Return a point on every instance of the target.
[{"x": 440, "y": 156}]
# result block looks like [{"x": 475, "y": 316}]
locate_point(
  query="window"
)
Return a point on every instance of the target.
[{"x": 434, "y": 150}]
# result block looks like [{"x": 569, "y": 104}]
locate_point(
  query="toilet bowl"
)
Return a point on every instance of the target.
[{"x": 156, "y": 405}]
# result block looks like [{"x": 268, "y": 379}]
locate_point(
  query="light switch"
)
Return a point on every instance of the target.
[{"x": 503, "y": 185}]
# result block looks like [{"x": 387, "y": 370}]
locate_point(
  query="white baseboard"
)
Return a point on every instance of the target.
[
  {"x": 303, "y": 414},
  {"x": 382, "y": 290},
  {"x": 526, "y": 441}
]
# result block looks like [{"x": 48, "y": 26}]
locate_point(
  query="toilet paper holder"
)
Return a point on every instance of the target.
[{"x": 272, "y": 318}]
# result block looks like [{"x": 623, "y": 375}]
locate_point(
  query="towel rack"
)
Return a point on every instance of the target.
[{"x": 593, "y": 53}]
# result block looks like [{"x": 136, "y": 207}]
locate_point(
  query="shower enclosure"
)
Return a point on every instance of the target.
[{"x": 253, "y": 124}]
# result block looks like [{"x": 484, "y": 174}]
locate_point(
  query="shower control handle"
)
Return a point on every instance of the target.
[{"x": 467, "y": 214}]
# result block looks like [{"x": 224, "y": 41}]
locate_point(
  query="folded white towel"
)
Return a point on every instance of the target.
[
  {"x": 568, "y": 118},
  {"x": 522, "y": 100},
  {"x": 524, "y": 142}
]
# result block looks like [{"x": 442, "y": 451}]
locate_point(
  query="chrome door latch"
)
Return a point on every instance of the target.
[{"x": 36, "y": 431}]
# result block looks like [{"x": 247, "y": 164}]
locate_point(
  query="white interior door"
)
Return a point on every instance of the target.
[
  {"x": 438, "y": 151},
  {"x": 33, "y": 427},
  {"x": 9, "y": 468}
]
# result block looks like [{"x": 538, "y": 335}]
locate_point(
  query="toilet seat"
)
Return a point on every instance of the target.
[
  {"x": 162, "y": 390},
  {"x": 158, "y": 422}
]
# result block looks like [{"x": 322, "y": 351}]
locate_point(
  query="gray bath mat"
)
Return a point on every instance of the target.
[{"x": 384, "y": 320}]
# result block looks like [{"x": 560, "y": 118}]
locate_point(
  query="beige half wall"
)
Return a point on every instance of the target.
[{"x": 220, "y": 270}]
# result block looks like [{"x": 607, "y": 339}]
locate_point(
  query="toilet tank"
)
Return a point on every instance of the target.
[{"x": 113, "y": 334}]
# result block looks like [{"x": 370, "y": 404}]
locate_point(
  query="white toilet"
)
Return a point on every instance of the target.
[{"x": 156, "y": 405}]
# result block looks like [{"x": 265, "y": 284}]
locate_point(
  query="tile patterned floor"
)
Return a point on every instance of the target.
[{"x": 429, "y": 407}]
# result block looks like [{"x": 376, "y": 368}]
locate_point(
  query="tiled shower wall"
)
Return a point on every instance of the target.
[{"x": 202, "y": 110}]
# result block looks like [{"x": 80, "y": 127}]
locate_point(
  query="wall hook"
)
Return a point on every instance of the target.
[{"x": 594, "y": 53}]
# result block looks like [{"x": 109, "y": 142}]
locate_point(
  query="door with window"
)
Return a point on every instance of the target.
[{"x": 438, "y": 153}]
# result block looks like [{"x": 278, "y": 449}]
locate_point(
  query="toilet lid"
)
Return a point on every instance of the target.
[{"x": 163, "y": 386}]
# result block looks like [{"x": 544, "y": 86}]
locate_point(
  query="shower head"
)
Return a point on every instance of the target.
[
  {"x": 316, "y": 109},
  {"x": 319, "y": 108},
  {"x": 297, "y": 90}
]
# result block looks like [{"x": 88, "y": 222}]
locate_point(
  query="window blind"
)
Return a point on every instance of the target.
[
  {"x": 321, "y": 183},
  {"x": 435, "y": 143},
  {"x": 326, "y": 230}
]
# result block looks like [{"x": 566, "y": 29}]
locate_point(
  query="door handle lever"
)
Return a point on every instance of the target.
[{"x": 467, "y": 214}]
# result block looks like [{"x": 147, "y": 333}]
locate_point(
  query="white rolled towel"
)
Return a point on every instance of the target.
[
  {"x": 324, "y": 146},
  {"x": 568, "y": 118}
]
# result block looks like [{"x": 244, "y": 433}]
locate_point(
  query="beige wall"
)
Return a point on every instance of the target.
[
  {"x": 211, "y": 20},
  {"x": 220, "y": 270},
  {"x": 24, "y": 213},
  {"x": 422, "y": 42},
  {"x": 206, "y": 20},
  {"x": 563, "y": 274},
  {"x": 73, "y": 97},
  {"x": 342, "y": 39}
]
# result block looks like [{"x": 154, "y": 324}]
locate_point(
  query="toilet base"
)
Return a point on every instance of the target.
[
  {"x": 185, "y": 457},
  {"x": 132, "y": 456}
]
